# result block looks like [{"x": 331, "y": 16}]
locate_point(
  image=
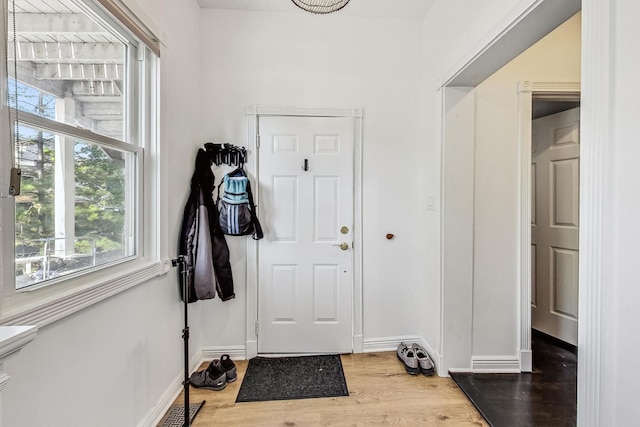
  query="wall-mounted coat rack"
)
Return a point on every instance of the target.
[{"x": 227, "y": 154}]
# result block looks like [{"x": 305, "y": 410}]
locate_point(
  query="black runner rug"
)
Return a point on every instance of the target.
[{"x": 286, "y": 378}]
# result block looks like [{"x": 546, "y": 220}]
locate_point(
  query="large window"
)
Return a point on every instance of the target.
[{"x": 79, "y": 101}]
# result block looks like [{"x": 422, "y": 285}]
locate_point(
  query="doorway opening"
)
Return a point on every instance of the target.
[
  {"x": 555, "y": 215},
  {"x": 549, "y": 117},
  {"x": 555, "y": 222}
]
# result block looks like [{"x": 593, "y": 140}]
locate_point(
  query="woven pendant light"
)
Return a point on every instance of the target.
[{"x": 320, "y": 6}]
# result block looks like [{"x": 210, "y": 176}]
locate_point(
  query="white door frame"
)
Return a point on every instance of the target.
[
  {"x": 526, "y": 92},
  {"x": 253, "y": 113},
  {"x": 488, "y": 56}
]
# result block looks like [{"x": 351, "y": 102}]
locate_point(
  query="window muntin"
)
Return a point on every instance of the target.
[{"x": 78, "y": 142}]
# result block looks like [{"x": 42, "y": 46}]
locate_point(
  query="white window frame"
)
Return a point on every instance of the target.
[{"x": 58, "y": 298}]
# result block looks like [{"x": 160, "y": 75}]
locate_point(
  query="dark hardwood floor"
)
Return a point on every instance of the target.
[{"x": 545, "y": 397}]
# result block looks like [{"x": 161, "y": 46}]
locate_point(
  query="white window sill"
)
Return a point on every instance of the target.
[
  {"x": 13, "y": 338},
  {"x": 49, "y": 304}
]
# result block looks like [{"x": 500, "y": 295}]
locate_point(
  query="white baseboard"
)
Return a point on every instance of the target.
[
  {"x": 371, "y": 345},
  {"x": 251, "y": 349},
  {"x": 526, "y": 360},
  {"x": 495, "y": 364},
  {"x": 167, "y": 398},
  {"x": 234, "y": 352},
  {"x": 460, "y": 371},
  {"x": 358, "y": 344}
]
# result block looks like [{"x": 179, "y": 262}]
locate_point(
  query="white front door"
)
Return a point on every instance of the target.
[
  {"x": 555, "y": 218},
  {"x": 305, "y": 277}
]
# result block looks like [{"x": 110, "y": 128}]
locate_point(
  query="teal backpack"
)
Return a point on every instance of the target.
[{"x": 237, "y": 210}]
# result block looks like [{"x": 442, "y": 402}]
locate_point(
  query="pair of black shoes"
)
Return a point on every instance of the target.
[{"x": 216, "y": 375}]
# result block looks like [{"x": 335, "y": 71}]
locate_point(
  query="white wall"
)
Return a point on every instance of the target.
[
  {"x": 555, "y": 58},
  {"x": 295, "y": 59},
  {"x": 450, "y": 33},
  {"x": 110, "y": 364},
  {"x": 620, "y": 347},
  {"x": 452, "y": 29}
]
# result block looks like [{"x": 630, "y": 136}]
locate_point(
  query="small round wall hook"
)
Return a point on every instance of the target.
[{"x": 390, "y": 236}]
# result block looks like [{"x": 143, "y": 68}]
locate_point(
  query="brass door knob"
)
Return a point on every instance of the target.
[{"x": 344, "y": 246}]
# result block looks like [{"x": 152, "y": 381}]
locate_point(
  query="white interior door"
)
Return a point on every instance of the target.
[
  {"x": 555, "y": 177},
  {"x": 305, "y": 278}
]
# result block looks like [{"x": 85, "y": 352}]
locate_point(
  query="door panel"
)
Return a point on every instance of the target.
[
  {"x": 284, "y": 208},
  {"x": 534, "y": 219},
  {"x": 555, "y": 176},
  {"x": 565, "y": 194},
  {"x": 283, "y": 278},
  {"x": 325, "y": 293},
  {"x": 534, "y": 293},
  {"x": 565, "y": 282},
  {"x": 327, "y": 208},
  {"x": 305, "y": 280}
]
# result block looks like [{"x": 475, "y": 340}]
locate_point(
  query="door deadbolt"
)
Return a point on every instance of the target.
[
  {"x": 344, "y": 246},
  {"x": 344, "y": 229}
]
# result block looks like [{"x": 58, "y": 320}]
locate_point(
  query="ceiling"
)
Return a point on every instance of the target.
[{"x": 395, "y": 9}]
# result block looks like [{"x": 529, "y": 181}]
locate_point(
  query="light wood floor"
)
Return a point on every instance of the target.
[{"x": 380, "y": 393}]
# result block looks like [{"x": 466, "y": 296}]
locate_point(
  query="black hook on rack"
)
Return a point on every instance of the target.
[{"x": 227, "y": 154}]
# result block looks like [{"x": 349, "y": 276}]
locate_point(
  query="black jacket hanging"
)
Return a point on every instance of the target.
[{"x": 202, "y": 241}]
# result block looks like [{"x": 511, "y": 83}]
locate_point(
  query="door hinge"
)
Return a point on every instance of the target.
[
  {"x": 257, "y": 141},
  {"x": 257, "y": 328}
]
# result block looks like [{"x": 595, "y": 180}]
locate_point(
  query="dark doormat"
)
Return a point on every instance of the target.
[{"x": 286, "y": 378}]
